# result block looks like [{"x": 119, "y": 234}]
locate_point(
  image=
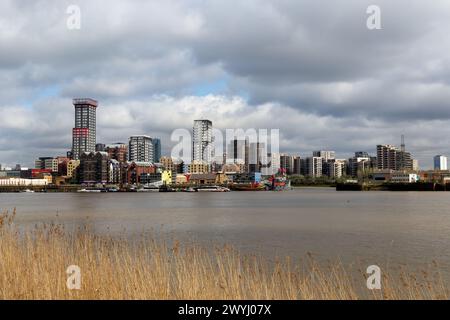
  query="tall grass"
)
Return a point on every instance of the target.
[{"x": 33, "y": 265}]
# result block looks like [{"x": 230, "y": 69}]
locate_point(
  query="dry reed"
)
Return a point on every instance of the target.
[{"x": 33, "y": 266}]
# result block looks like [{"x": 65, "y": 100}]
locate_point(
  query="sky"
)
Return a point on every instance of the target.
[{"x": 309, "y": 68}]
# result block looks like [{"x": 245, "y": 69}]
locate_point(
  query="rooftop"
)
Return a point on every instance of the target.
[{"x": 84, "y": 101}]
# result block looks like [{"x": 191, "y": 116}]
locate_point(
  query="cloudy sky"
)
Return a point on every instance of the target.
[{"x": 310, "y": 68}]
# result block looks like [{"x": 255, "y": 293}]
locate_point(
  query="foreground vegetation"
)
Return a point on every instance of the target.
[{"x": 33, "y": 266}]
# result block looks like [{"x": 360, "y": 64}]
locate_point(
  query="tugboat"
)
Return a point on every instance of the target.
[
  {"x": 278, "y": 183},
  {"x": 248, "y": 187}
]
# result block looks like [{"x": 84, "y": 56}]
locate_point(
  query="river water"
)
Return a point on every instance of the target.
[{"x": 402, "y": 228}]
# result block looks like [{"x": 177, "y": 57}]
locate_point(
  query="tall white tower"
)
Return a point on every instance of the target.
[{"x": 202, "y": 142}]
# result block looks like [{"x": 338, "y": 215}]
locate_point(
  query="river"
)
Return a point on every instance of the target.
[{"x": 402, "y": 228}]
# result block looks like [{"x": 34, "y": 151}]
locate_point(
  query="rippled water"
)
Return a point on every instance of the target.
[{"x": 410, "y": 228}]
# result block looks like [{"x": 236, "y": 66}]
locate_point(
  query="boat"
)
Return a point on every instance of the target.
[
  {"x": 89, "y": 191},
  {"x": 278, "y": 183},
  {"x": 147, "y": 189},
  {"x": 212, "y": 189},
  {"x": 248, "y": 187},
  {"x": 27, "y": 191}
]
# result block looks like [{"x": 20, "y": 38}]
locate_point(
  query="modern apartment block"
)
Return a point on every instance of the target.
[
  {"x": 258, "y": 157},
  {"x": 47, "y": 163},
  {"x": 336, "y": 168},
  {"x": 325, "y": 155},
  {"x": 314, "y": 166},
  {"x": 287, "y": 163},
  {"x": 238, "y": 153},
  {"x": 392, "y": 158},
  {"x": 202, "y": 142},
  {"x": 140, "y": 149},
  {"x": 72, "y": 165},
  {"x": 440, "y": 162},
  {"x": 84, "y": 132},
  {"x": 117, "y": 151}
]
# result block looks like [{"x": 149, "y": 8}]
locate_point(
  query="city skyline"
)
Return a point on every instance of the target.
[
  {"x": 318, "y": 74},
  {"x": 86, "y": 142}
]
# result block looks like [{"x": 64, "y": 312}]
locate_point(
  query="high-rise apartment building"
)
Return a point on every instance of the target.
[
  {"x": 202, "y": 142},
  {"x": 440, "y": 162},
  {"x": 325, "y": 155},
  {"x": 297, "y": 165},
  {"x": 287, "y": 163},
  {"x": 140, "y": 149},
  {"x": 336, "y": 168},
  {"x": 156, "y": 150},
  {"x": 314, "y": 166},
  {"x": 392, "y": 158},
  {"x": 258, "y": 157},
  {"x": 84, "y": 132},
  {"x": 274, "y": 164},
  {"x": 238, "y": 153}
]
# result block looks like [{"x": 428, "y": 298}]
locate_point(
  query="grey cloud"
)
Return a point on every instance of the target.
[{"x": 308, "y": 67}]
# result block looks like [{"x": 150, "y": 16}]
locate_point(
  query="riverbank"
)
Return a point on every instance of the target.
[
  {"x": 34, "y": 264},
  {"x": 419, "y": 186}
]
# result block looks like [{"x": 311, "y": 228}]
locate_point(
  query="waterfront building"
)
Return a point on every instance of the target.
[
  {"x": 137, "y": 171},
  {"x": 202, "y": 142},
  {"x": 198, "y": 167},
  {"x": 62, "y": 165},
  {"x": 392, "y": 158},
  {"x": 47, "y": 163},
  {"x": 167, "y": 163},
  {"x": 359, "y": 164},
  {"x": 297, "y": 165},
  {"x": 314, "y": 166},
  {"x": 327, "y": 156},
  {"x": 93, "y": 168},
  {"x": 72, "y": 165},
  {"x": 156, "y": 150},
  {"x": 207, "y": 178},
  {"x": 336, "y": 168},
  {"x": 435, "y": 176},
  {"x": 84, "y": 132},
  {"x": 181, "y": 179},
  {"x": 20, "y": 182},
  {"x": 440, "y": 163},
  {"x": 174, "y": 165},
  {"x": 399, "y": 177},
  {"x": 115, "y": 172},
  {"x": 140, "y": 149},
  {"x": 118, "y": 151}
]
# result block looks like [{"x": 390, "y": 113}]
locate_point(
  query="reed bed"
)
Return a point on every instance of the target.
[{"x": 33, "y": 265}]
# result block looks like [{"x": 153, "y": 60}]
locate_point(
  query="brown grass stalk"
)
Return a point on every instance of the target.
[{"x": 33, "y": 266}]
